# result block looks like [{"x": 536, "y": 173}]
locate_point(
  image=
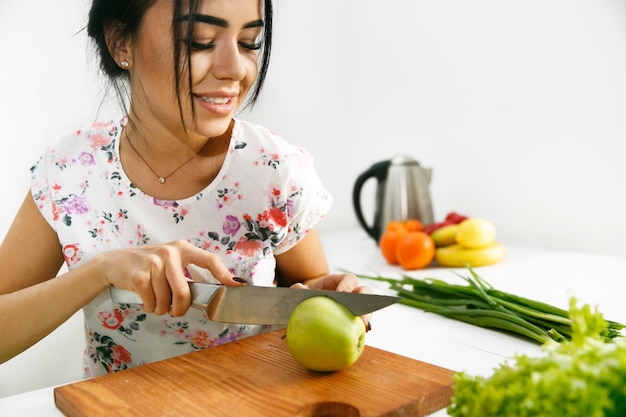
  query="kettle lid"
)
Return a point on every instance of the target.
[{"x": 403, "y": 160}]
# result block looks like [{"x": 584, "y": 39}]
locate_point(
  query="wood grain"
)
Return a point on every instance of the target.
[{"x": 258, "y": 377}]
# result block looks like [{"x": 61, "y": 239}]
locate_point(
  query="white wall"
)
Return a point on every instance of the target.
[
  {"x": 517, "y": 106},
  {"x": 44, "y": 90}
]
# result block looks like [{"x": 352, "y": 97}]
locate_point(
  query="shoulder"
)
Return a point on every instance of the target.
[
  {"x": 87, "y": 137},
  {"x": 81, "y": 147},
  {"x": 268, "y": 147},
  {"x": 256, "y": 134}
]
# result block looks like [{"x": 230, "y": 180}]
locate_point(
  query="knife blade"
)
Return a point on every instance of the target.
[{"x": 251, "y": 304}]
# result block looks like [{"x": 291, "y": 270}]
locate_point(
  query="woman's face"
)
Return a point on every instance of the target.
[{"x": 224, "y": 66}]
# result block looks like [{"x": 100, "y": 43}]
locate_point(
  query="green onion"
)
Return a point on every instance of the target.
[{"x": 480, "y": 304}]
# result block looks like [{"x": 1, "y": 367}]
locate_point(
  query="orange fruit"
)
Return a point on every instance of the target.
[
  {"x": 388, "y": 244},
  {"x": 413, "y": 225},
  {"x": 394, "y": 225},
  {"x": 415, "y": 250}
]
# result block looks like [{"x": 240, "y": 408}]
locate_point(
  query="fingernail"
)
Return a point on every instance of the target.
[
  {"x": 241, "y": 280},
  {"x": 368, "y": 325}
]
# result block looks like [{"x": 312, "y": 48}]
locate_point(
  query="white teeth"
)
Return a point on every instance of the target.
[{"x": 215, "y": 100}]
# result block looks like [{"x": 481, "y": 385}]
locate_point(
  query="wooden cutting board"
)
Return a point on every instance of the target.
[{"x": 258, "y": 377}]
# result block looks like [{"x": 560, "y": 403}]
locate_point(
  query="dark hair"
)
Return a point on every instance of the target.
[{"x": 123, "y": 18}]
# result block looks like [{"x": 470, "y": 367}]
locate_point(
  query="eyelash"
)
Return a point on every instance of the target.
[{"x": 207, "y": 46}]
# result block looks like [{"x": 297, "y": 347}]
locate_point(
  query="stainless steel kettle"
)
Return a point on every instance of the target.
[{"x": 402, "y": 193}]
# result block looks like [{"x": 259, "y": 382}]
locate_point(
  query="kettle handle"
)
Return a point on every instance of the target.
[{"x": 378, "y": 171}]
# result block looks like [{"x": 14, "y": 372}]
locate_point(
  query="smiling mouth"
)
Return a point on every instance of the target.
[{"x": 215, "y": 100}]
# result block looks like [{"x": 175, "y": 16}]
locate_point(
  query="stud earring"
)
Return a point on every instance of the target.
[{"x": 124, "y": 64}]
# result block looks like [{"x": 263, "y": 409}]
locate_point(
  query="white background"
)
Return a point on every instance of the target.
[{"x": 517, "y": 106}]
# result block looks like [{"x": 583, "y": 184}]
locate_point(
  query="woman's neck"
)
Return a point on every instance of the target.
[{"x": 168, "y": 166}]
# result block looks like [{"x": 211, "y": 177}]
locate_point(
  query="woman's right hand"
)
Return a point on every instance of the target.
[
  {"x": 32, "y": 291},
  {"x": 157, "y": 273}
]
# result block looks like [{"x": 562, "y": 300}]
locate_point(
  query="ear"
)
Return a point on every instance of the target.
[{"x": 118, "y": 44}]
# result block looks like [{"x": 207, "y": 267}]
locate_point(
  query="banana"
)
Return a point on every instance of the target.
[
  {"x": 445, "y": 235},
  {"x": 459, "y": 256}
]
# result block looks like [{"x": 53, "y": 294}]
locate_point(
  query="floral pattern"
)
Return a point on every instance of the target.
[
  {"x": 269, "y": 159},
  {"x": 104, "y": 351},
  {"x": 268, "y": 196},
  {"x": 126, "y": 319},
  {"x": 226, "y": 196},
  {"x": 199, "y": 338}
]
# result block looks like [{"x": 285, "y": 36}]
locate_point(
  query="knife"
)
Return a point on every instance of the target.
[{"x": 251, "y": 304}]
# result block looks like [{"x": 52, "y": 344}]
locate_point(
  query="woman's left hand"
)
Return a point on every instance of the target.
[
  {"x": 304, "y": 266},
  {"x": 343, "y": 283}
]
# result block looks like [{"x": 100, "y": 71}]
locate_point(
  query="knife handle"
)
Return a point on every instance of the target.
[{"x": 212, "y": 308}]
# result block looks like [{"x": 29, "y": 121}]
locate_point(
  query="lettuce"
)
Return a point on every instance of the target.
[{"x": 584, "y": 376}]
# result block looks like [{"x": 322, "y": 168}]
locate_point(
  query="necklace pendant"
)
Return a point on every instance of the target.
[{"x": 161, "y": 180}]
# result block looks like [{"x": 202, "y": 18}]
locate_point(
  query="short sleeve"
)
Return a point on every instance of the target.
[
  {"x": 309, "y": 200},
  {"x": 40, "y": 191}
]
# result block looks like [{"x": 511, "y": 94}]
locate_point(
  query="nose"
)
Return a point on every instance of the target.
[{"x": 228, "y": 63}]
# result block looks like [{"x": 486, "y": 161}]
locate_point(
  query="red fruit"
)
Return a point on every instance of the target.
[
  {"x": 434, "y": 226},
  {"x": 455, "y": 218},
  {"x": 431, "y": 228}
]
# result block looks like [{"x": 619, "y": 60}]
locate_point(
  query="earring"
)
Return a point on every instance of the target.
[{"x": 124, "y": 64}]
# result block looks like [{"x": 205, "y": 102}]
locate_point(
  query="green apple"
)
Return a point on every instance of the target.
[{"x": 324, "y": 336}]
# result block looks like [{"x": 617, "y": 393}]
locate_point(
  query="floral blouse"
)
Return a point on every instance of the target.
[{"x": 265, "y": 198}]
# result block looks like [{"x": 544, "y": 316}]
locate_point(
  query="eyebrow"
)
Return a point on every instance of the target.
[{"x": 218, "y": 21}]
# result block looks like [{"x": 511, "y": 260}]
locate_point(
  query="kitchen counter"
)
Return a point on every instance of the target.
[{"x": 545, "y": 275}]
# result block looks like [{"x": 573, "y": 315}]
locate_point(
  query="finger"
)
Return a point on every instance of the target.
[
  {"x": 213, "y": 263},
  {"x": 165, "y": 269},
  {"x": 181, "y": 298},
  {"x": 141, "y": 282},
  {"x": 180, "y": 293},
  {"x": 145, "y": 290},
  {"x": 176, "y": 295},
  {"x": 162, "y": 290},
  {"x": 363, "y": 289},
  {"x": 367, "y": 318},
  {"x": 299, "y": 285},
  {"x": 367, "y": 322},
  {"x": 346, "y": 282}
]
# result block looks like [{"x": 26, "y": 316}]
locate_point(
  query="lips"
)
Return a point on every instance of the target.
[
  {"x": 220, "y": 104},
  {"x": 214, "y": 100}
]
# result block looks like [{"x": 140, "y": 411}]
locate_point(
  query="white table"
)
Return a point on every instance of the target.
[{"x": 545, "y": 275}]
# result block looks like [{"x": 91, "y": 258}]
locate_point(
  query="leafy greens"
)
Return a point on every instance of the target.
[
  {"x": 580, "y": 373},
  {"x": 581, "y": 377}
]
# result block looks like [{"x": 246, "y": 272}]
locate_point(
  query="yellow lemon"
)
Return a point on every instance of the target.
[{"x": 475, "y": 233}]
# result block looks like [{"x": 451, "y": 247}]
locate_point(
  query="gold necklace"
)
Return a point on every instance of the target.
[{"x": 163, "y": 178}]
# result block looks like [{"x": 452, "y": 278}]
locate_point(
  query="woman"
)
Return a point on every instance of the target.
[{"x": 176, "y": 189}]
